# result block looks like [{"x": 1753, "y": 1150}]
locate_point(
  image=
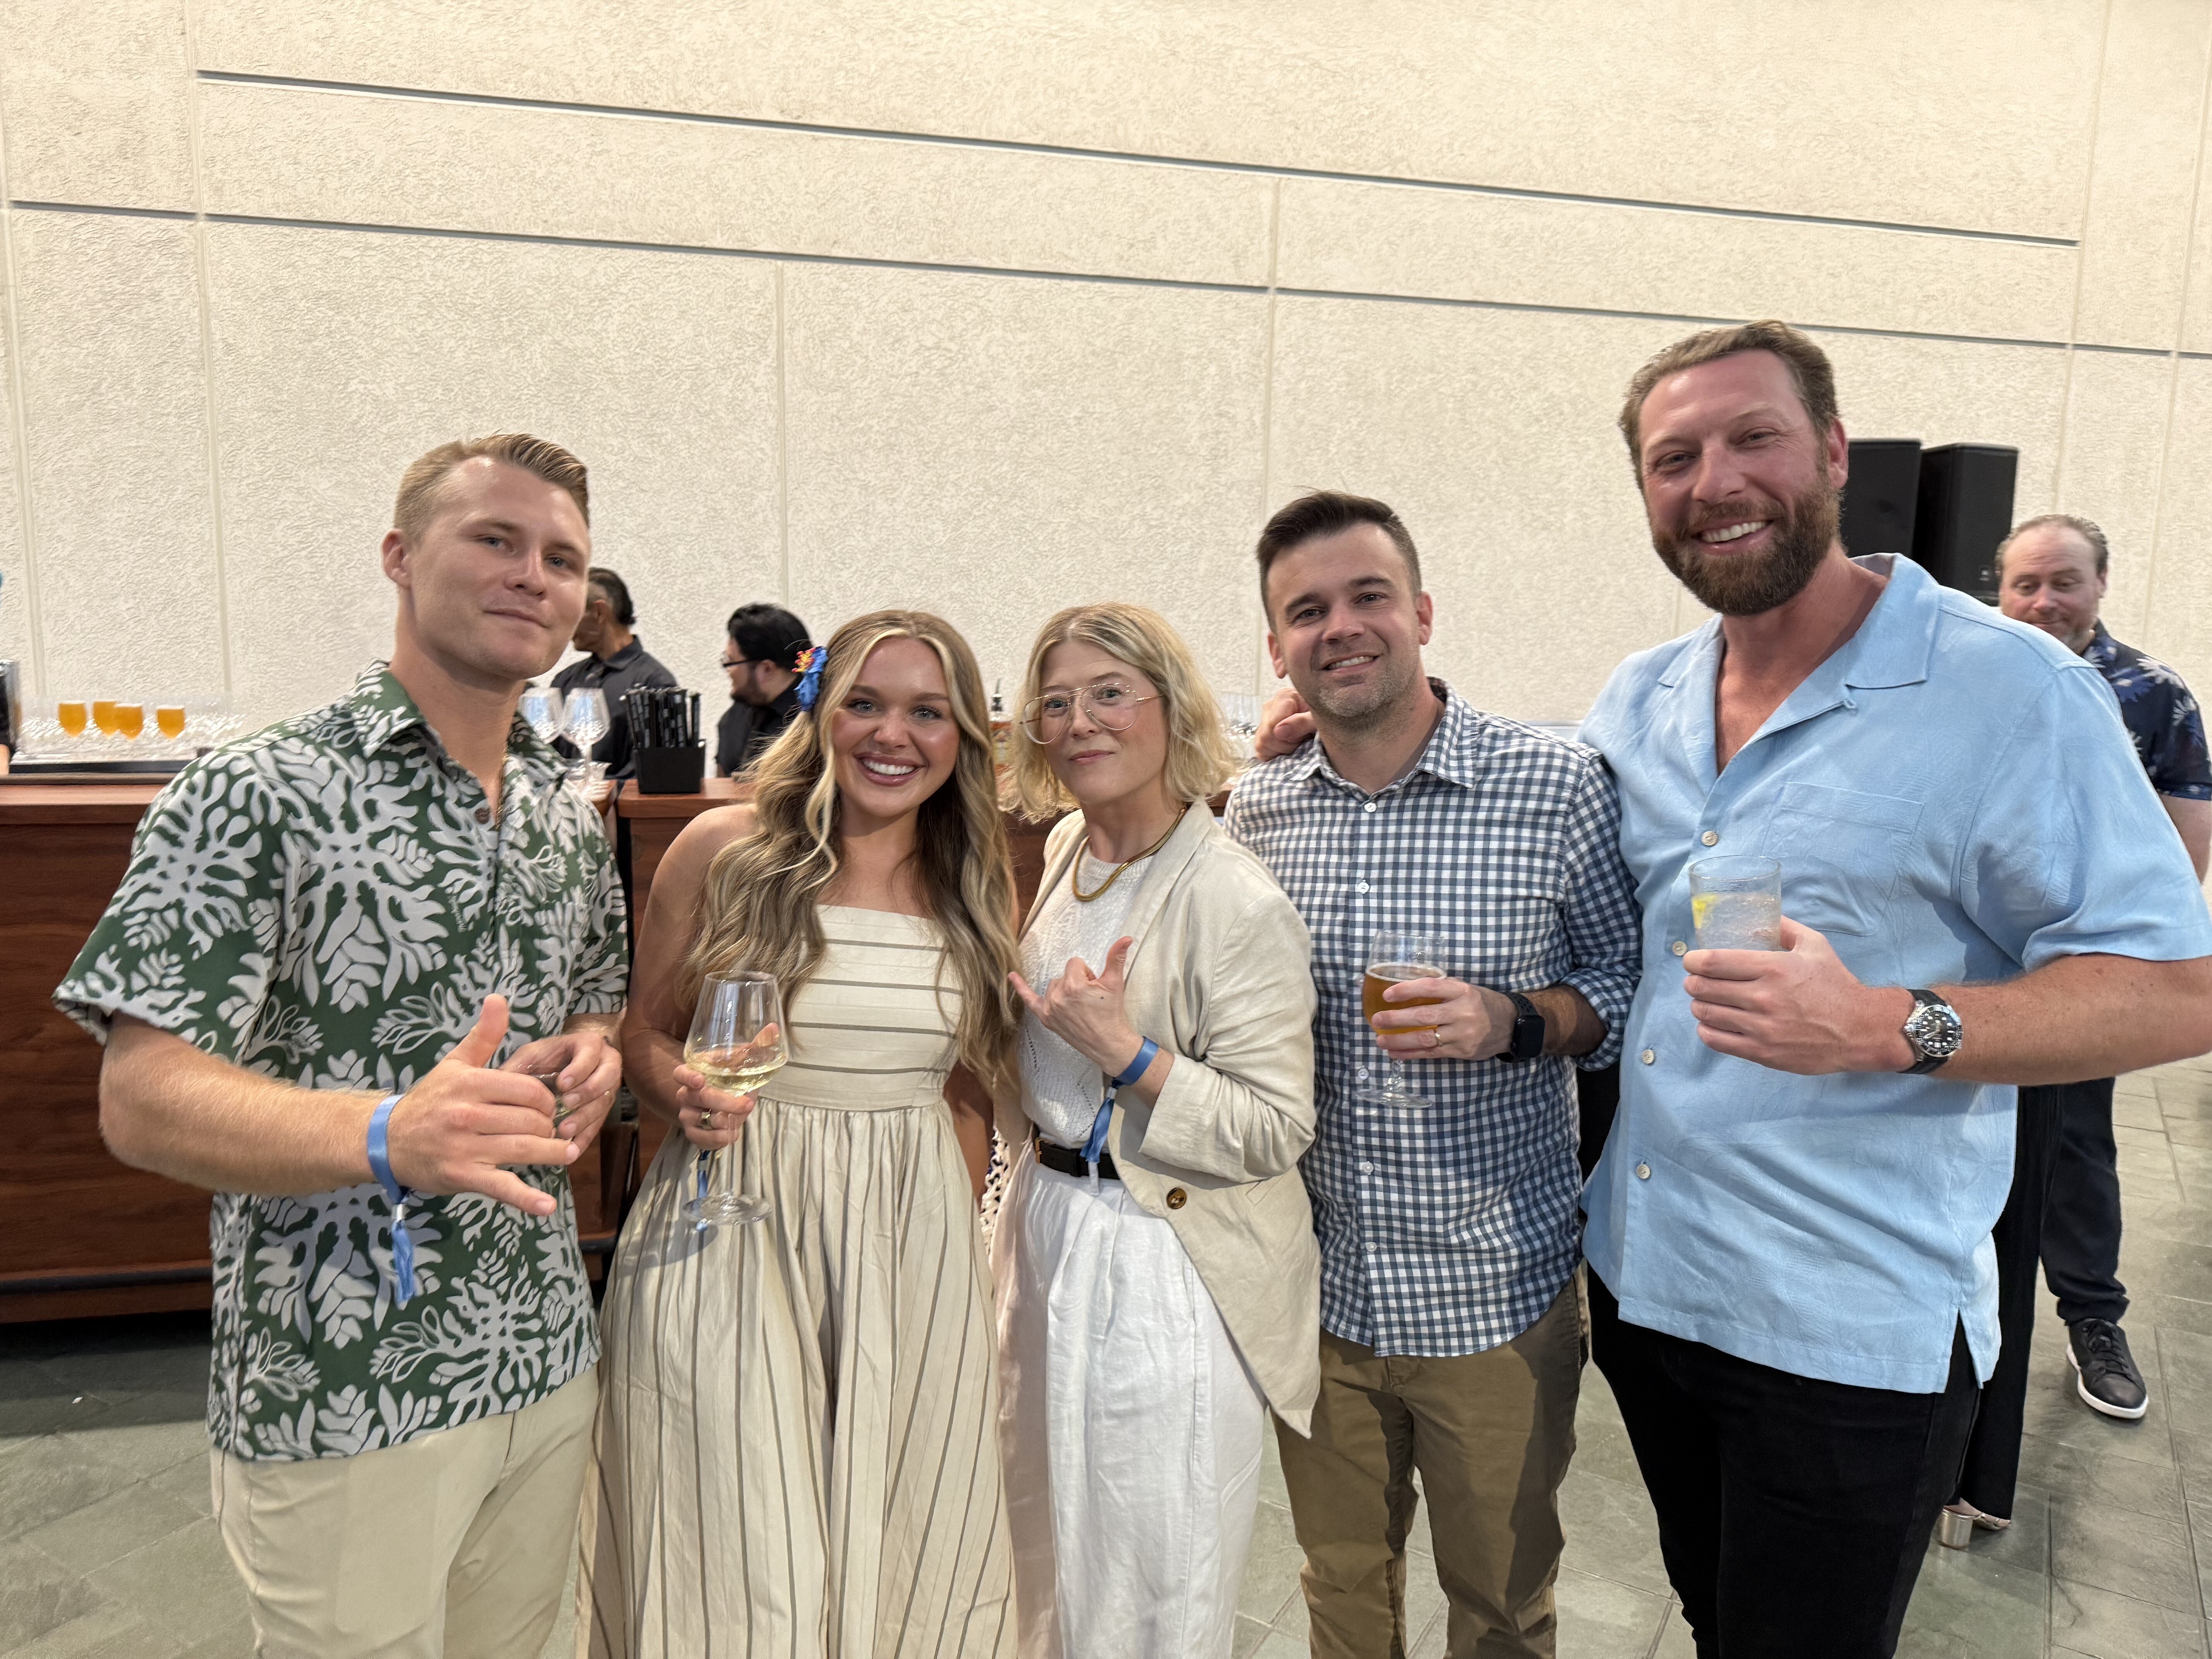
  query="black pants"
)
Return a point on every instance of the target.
[
  {"x": 1793, "y": 1513},
  {"x": 2081, "y": 1219},
  {"x": 1597, "y": 1100},
  {"x": 1992, "y": 1467}
]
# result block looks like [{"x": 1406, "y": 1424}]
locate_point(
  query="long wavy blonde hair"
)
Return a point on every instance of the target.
[{"x": 757, "y": 909}]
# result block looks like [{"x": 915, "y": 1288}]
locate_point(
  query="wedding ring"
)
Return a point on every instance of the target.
[{"x": 1435, "y": 1038}]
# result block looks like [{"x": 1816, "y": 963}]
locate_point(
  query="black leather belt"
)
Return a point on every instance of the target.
[{"x": 1068, "y": 1161}]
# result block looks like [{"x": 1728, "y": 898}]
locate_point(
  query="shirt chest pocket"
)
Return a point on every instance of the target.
[{"x": 1842, "y": 853}]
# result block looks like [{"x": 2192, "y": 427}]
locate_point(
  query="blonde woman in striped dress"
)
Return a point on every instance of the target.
[{"x": 795, "y": 1448}]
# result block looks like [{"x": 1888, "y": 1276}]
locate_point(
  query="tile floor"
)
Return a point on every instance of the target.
[{"x": 106, "y": 1547}]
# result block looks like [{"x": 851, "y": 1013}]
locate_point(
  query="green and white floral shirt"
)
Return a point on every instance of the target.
[{"x": 328, "y": 903}]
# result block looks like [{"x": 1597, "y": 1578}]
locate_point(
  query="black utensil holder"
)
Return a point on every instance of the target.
[{"x": 672, "y": 771}]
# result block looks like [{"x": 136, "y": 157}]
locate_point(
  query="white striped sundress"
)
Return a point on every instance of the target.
[{"x": 795, "y": 1455}]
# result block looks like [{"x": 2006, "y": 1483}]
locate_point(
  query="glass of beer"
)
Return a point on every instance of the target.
[
  {"x": 169, "y": 721},
  {"x": 737, "y": 1043},
  {"x": 1395, "y": 957},
  {"x": 1735, "y": 903},
  {"x": 103, "y": 715},
  {"x": 129, "y": 720},
  {"x": 72, "y": 716}
]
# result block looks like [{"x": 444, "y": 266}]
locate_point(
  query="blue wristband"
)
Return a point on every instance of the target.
[
  {"x": 380, "y": 1149},
  {"x": 379, "y": 1165},
  {"x": 1149, "y": 1052}
]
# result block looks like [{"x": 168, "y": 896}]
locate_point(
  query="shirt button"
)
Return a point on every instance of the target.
[
  {"x": 1370, "y": 806},
  {"x": 1649, "y": 1055},
  {"x": 1177, "y": 1197},
  {"x": 1677, "y": 947},
  {"x": 1360, "y": 888},
  {"x": 1643, "y": 1172},
  {"x": 1711, "y": 837},
  {"x": 483, "y": 815},
  {"x": 1365, "y": 1168}
]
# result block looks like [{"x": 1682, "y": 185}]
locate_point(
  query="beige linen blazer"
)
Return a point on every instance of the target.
[{"x": 1221, "y": 977}]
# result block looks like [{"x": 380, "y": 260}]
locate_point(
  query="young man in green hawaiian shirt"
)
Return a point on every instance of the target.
[{"x": 329, "y": 936}]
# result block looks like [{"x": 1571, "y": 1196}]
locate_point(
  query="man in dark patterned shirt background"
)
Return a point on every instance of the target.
[
  {"x": 1453, "y": 1327},
  {"x": 2052, "y": 574}
]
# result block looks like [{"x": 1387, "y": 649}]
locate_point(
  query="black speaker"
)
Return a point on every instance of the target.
[
  {"x": 1966, "y": 508},
  {"x": 1881, "y": 496}
]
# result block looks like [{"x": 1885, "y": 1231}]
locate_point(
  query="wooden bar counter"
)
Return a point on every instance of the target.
[{"x": 81, "y": 1234}]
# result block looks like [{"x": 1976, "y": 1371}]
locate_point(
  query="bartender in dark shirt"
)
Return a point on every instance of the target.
[
  {"x": 760, "y": 653},
  {"x": 618, "y": 662},
  {"x": 2053, "y": 573}
]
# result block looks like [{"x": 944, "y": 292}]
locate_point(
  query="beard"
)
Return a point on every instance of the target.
[
  {"x": 1739, "y": 585},
  {"x": 1357, "y": 707}
]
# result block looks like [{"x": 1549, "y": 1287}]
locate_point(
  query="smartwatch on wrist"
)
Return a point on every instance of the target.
[
  {"x": 1933, "y": 1031},
  {"x": 1527, "y": 1042}
]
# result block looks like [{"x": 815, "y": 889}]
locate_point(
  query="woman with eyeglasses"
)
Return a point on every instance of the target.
[{"x": 1158, "y": 1282}]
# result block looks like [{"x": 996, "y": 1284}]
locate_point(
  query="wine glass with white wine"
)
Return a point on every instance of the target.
[{"x": 737, "y": 1043}]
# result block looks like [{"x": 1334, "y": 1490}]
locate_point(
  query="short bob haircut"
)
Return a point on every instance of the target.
[{"x": 1199, "y": 761}]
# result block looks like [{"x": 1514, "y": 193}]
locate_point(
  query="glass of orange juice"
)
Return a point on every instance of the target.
[{"x": 130, "y": 719}]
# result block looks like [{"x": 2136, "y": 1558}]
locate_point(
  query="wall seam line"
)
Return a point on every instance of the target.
[
  {"x": 2180, "y": 333},
  {"x": 1267, "y": 417},
  {"x": 783, "y": 453},
  {"x": 2081, "y": 260},
  {"x": 495, "y": 100},
  {"x": 1031, "y": 274},
  {"x": 18, "y": 433},
  {"x": 202, "y": 293}
]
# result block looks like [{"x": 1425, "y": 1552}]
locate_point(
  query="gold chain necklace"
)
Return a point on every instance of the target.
[{"x": 1075, "y": 873}]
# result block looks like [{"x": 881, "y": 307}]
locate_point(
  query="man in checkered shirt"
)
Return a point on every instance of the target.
[{"x": 1453, "y": 1330}]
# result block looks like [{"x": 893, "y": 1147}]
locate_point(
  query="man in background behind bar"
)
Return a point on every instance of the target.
[
  {"x": 2051, "y": 575},
  {"x": 329, "y": 933},
  {"x": 618, "y": 662},
  {"x": 760, "y": 653}
]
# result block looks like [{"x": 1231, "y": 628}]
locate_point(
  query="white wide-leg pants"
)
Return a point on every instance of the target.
[{"x": 1129, "y": 1429}]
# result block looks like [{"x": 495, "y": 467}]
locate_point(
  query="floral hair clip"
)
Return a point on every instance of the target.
[{"x": 810, "y": 675}]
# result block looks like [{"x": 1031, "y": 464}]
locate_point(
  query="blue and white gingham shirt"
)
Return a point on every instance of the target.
[{"x": 1449, "y": 1231}]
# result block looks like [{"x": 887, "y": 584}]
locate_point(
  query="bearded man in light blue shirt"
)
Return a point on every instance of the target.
[{"x": 1794, "y": 1294}]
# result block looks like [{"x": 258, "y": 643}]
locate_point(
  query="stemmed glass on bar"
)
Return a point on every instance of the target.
[
  {"x": 584, "y": 721},
  {"x": 541, "y": 711},
  {"x": 737, "y": 1043},
  {"x": 1397, "y": 956}
]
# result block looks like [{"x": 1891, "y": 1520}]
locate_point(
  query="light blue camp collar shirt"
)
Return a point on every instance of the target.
[{"x": 1953, "y": 799}]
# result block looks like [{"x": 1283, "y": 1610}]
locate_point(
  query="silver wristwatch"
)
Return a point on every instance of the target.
[{"x": 1934, "y": 1031}]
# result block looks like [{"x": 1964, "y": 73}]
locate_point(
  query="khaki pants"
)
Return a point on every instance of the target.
[
  {"x": 459, "y": 1542},
  {"x": 1491, "y": 1435}
]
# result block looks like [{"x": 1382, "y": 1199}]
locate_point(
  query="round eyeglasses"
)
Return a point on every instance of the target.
[{"x": 1114, "y": 707}]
